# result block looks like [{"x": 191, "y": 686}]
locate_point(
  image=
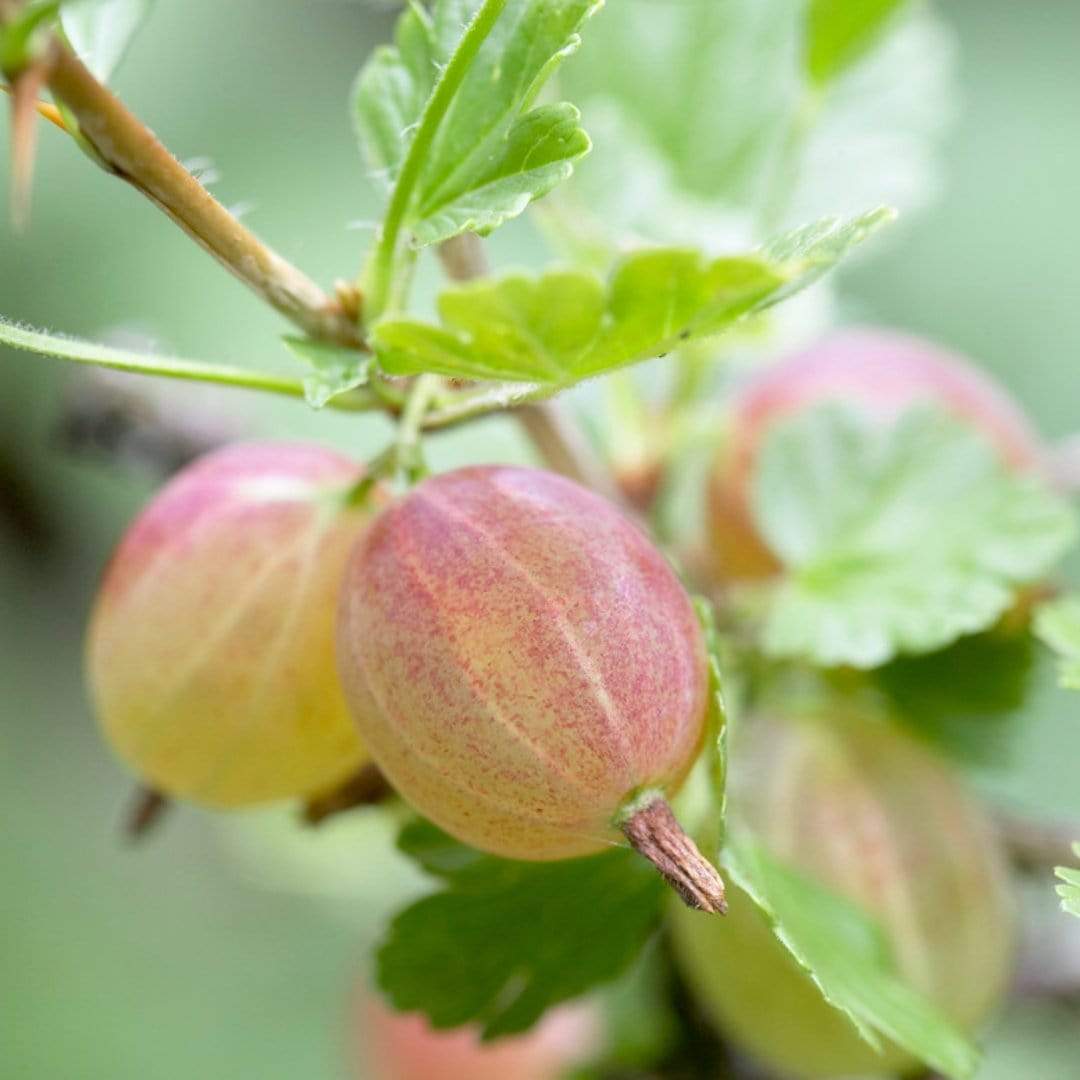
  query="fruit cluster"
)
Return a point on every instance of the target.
[{"x": 527, "y": 670}]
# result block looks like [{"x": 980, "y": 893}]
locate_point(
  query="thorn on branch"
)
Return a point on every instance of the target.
[{"x": 24, "y": 107}]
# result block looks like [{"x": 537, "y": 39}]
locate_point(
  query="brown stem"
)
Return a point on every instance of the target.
[
  {"x": 367, "y": 787},
  {"x": 147, "y": 809},
  {"x": 564, "y": 448},
  {"x": 1036, "y": 846},
  {"x": 653, "y": 832},
  {"x": 107, "y": 414},
  {"x": 128, "y": 149}
]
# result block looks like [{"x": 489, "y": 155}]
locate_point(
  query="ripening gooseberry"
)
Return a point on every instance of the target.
[
  {"x": 527, "y": 670},
  {"x": 864, "y": 809},
  {"x": 878, "y": 372},
  {"x": 404, "y": 1046},
  {"x": 210, "y": 655}
]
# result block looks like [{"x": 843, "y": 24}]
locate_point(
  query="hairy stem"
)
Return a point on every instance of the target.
[
  {"x": 385, "y": 258},
  {"x": 129, "y": 150},
  {"x": 407, "y": 448},
  {"x": 104, "y": 356}
]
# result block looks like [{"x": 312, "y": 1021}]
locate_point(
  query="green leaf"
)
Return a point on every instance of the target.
[
  {"x": 708, "y": 84},
  {"x": 719, "y": 171},
  {"x": 494, "y": 152},
  {"x": 568, "y": 325},
  {"x": 101, "y": 30},
  {"x": 1069, "y": 891},
  {"x": 716, "y": 727},
  {"x": 967, "y": 697},
  {"x": 1058, "y": 625},
  {"x": 845, "y": 954},
  {"x": 840, "y": 32},
  {"x": 24, "y": 34},
  {"x": 334, "y": 369},
  {"x": 896, "y": 538},
  {"x": 502, "y": 941}
]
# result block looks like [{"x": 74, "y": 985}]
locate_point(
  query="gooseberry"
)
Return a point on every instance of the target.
[
  {"x": 867, "y": 811},
  {"x": 404, "y": 1046},
  {"x": 527, "y": 670},
  {"x": 210, "y": 654},
  {"x": 878, "y": 372}
]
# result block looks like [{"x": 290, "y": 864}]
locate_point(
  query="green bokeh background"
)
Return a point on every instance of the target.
[{"x": 223, "y": 952}]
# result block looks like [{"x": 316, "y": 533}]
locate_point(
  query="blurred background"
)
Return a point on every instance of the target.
[{"x": 225, "y": 949}]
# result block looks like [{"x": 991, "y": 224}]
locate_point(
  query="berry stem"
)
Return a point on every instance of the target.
[
  {"x": 366, "y": 787},
  {"x": 148, "y": 807},
  {"x": 654, "y": 832}
]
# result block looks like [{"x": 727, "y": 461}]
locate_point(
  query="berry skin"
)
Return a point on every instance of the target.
[
  {"x": 868, "y": 812},
  {"x": 878, "y": 372},
  {"x": 403, "y": 1046},
  {"x": 521, "y": 661},
  {"x": 210, "y": 654}
]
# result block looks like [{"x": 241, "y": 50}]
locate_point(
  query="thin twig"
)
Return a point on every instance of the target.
[
  {"x": 563, "y": 446},
  {"x": 107, "y": 416},
  {"x": 1036, "y": 846},
  {"x": 129, "y": 150},
  {"x": 116, "y": 359},
  {"x": 407, "y": 450}
]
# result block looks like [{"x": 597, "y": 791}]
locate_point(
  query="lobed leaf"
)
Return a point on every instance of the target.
[
  {"x": 1057, "y": 624},
  {"x": 100, "y": 31},
  {"x": 896, "y": 539},
  {"x": 333, "y": 369},
  {"x": 1069, "y": 890},
  {"x": 844, "y": 953},
  {"x": 569, "y": 325},
  {"x": 494, "y": 152},
  {"x": 502, "y": 941}
]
